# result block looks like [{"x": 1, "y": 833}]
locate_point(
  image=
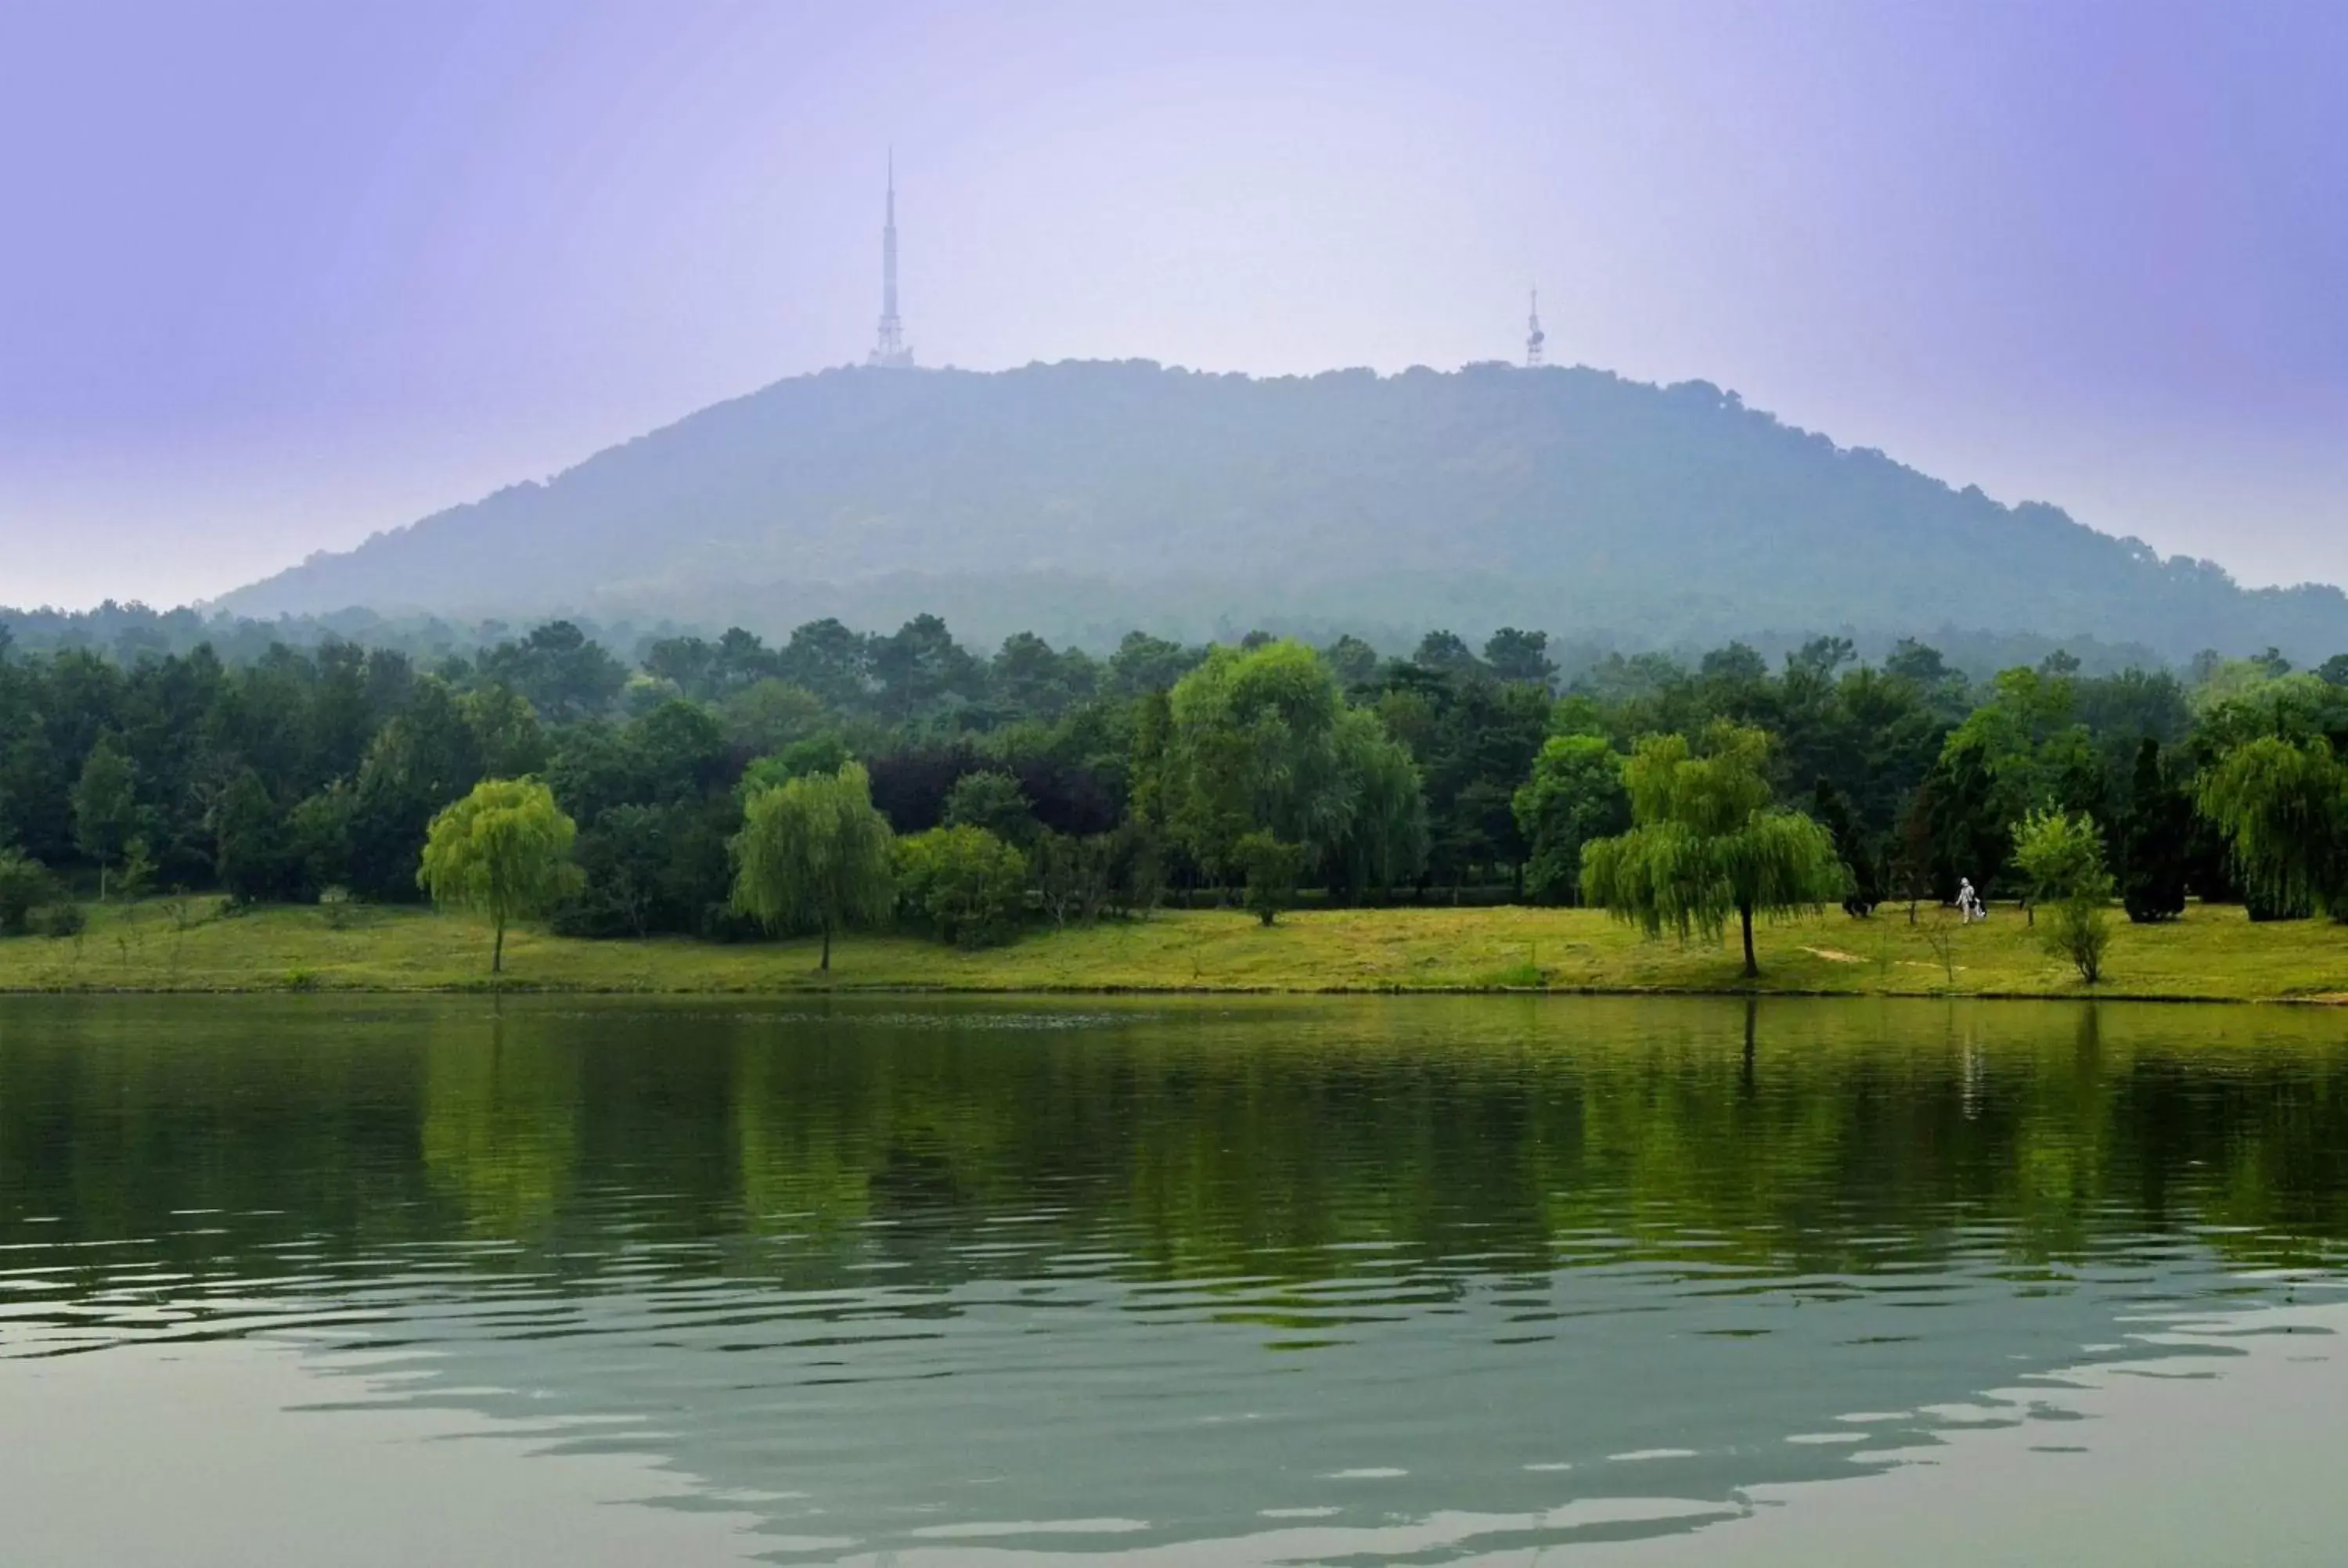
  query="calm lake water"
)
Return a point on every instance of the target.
[{"x": 915, "y": 1282}]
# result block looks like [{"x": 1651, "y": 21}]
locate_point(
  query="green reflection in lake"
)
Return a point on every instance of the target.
[{"x": 941, "y": 1279}]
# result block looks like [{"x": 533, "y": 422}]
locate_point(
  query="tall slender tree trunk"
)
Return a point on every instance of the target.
[
  {"x": 498, "y": 951},
  {"x": 1745, "y": 920},
  {"x": 826, "y": 965}
]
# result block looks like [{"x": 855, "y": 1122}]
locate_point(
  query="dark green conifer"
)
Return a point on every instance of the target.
[{"x": 2156, "y": 840}]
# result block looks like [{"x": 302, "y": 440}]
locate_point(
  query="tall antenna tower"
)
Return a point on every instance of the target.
[
  {"x": 889, "y": 352},
  {"x": 1534, "y": 336}
]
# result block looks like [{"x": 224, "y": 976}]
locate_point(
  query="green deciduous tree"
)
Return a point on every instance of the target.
[
  {"x": 1476, "y": 745},
  {"x": 921, "y": 666},
  {"x": 426, "y": 757},
  {"x": 2291, "y": 706},
  {"x": 650, "y": 868},
  {"x": 1248, "y": 748},
  {"x": 26, "y": 886},
  {"x": 1448, "y": 652},
  {"x": 1264, "y": 742},
  {"x": 1136, "y": 868},
  {"x": 1144, "y": 663},
  {"x": 1707, "y": 843},
  {"x": 1523, "y": 656},
  {"x": 252, "y": 855},
  {"x": 505, "y": 731},
  {"x": 2060, "y": 856},
  {"x": 770, "y": 715},
  {"x": 136, "y": 877},
  {"x": 560, "y": 673},
  {"x": 1353, "y": 661},
  {"x": 502, "y": 851},
  {"x": 105, "y": 806},
  {"x": 1270, "y": 865},
  {"x": 318, "y": 838},
  {"x": 964, "y": 882},
  {"x": 994, "y": 801},
  {"x": 1575, "y": 794},
  {"x": 831, "y": 661},
  {"x": 813, "y": 855},
  {"x": 825, "y": 753},
  {"x": 2021, "y": 751},
  {"x": 1029, "y": 677},
  {"x": 1073, "y": 876}
]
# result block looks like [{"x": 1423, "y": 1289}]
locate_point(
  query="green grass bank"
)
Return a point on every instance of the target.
[{"x": 2215, "y": 953}]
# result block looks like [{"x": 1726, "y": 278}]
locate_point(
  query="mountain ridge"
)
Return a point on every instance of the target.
[{"x": 1065, "y": 497}]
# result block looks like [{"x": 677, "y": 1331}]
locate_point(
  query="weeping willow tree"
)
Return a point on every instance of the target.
[
  {"x": 814, "y": 854},
  {"x": 503, "y": 851},
  {"x": 1706, "y": 842},
  {"x": 2283, "y": 807}
]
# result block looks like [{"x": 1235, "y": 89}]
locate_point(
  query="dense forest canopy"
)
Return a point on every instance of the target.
[
  {"x": 1079, "y": 499},
  {"x": 1040, "y": 780},
  {"x": 126, "y": 633}
]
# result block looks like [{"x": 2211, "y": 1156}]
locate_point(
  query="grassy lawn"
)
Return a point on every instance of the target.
[{"x": 2213, "y": 953}]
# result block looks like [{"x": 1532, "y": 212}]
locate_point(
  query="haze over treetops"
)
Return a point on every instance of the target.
[{"x": 1083, "y": 499}]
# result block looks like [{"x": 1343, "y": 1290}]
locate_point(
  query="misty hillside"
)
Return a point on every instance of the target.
[{"x": 1084, "y": 498}]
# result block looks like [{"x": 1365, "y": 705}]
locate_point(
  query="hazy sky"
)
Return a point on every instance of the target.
[{"x": 273, "y": 276}]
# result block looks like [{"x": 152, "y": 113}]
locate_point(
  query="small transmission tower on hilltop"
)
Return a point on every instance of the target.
[{"x": 1534, "y": 336}]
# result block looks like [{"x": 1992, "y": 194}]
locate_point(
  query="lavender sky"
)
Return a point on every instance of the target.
[{"x": 274, "y": 276}]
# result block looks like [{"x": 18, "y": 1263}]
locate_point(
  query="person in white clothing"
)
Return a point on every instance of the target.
[{"x": 1969, "y": 904}]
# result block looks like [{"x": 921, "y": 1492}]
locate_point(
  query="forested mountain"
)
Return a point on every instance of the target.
[{"x": 1080, "y": 499}]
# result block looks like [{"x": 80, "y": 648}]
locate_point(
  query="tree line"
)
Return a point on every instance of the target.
[{"x": 1047, "y": 782}]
